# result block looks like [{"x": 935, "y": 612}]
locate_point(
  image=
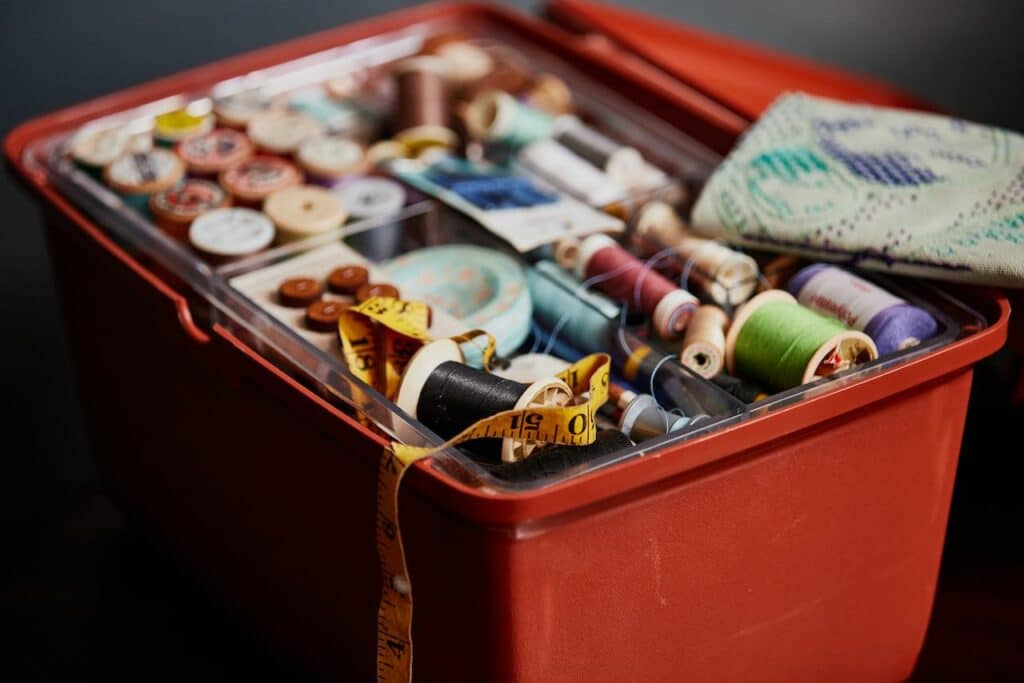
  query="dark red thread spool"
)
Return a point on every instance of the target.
[{"x": 621, "y": 275}]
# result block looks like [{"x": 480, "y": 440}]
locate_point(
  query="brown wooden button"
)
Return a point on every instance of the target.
[
  {"x": 322, "y": 316},
  {"x": 370, "y": 290},
  {"x": 347, "y": 279},
  {"x": 299, "y": 292}
]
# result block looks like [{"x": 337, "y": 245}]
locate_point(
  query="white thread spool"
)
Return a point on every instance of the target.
[
  {"x": 704, "y": 343},
  {"x": 571, "y": 173}
]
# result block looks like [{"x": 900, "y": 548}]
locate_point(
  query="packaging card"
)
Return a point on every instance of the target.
[{"x": 514, "y": 207}]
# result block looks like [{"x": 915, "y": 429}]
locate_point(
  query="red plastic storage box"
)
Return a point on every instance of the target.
[{"x": 797, "y": 541}]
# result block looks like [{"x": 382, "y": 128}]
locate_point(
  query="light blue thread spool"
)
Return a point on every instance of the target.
[
  {"x": 495, "y": 116},
  {"x": 561, "y": 309}
]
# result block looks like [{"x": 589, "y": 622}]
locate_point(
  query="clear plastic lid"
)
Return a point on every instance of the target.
[{"x": 389, "y": 231}]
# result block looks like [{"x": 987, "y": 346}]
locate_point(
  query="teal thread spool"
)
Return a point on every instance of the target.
[
  {"x": 495, "y": 116},
  {"x": 778, "y": 343}
]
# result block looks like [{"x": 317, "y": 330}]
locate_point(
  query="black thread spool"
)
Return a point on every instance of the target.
[
  {"x": 617, "y": 160},
  {"x": 447, "y": 396},
  {"x": 421, "y": 113},
  {"x": 741, "y": 389},
  {"x": 553, "y": 460}
]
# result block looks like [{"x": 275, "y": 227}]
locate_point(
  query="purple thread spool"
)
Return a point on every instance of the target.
[{"x": 891, "y": 322}]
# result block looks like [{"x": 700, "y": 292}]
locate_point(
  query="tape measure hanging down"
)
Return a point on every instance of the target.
[{"x": 379, "y": 338}]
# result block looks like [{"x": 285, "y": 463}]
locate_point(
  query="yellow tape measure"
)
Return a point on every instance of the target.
[{"x": 378, "y": 338}]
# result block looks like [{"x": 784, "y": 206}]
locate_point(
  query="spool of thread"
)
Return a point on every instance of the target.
[
  {"x": 779, "y": 270},
  {"x": 890, "y": 321},
  {"x": 778, "y": 343},
  {"x": 550, "y": 461},
  {"x": 566, "y": 252},
  {"x": 620, "y": 162},
  {"x": 226, "y": 234},
  {"x": 726, "y": 276},
  {"x": 644, "y": 419},
  {"x": 622, "y": 276},
  {"x": 603, "y": 304},
  {"x": 447, "y": 396},
  {"x": 174, "y": 126},
  {"x": 239, "y": 109},
  {"x": 530, "y": 367},
  {"x": 95, "y": 149},
  {"x": 281, "y": 132},
  {"x": 303, "y": 211},
  {"x": 549, "y": 93},
  {"x": 554, "y": 345},
  {"x": 743, "y": 390},
  {"x": 562, "y": 313},
  {"x": 209, "y": 154},
  {"x": 326, "y": 159},
  {"x": 138, "y": 175},
  {"x": 495, "y": 116},
  {"x": 557, "y": 307},
  {"x": 465, "y": 61},
  {"x": 371, "y": 197},
  {"x": 572, "y": 174},
  {"x": 421, "y": 116},
  {"x": 175, "y": 207},
  {"x": 704, "y": 343},
  {"x": 342, "y": 117},
  {"x": 251, "y": 181}
]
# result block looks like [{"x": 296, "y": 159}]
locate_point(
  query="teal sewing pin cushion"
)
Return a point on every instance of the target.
[{"x": 887, "y": 189}]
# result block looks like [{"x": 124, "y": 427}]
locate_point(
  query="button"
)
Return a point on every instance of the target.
[
  {"x": 253, "y": 179},
  {"x": 230, "y": 233},
  {"x": 215, "y": 151},
  {"x": 299, "y": 292},
  {"x": 370, "y": 290},
  {"x": 322, "y": 316},
  {"x": 283, "y": 132},
  {"x": 346, "y": 280},
  {"x": 303, "y": 211}
]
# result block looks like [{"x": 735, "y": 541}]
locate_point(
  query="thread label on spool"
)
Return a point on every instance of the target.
[
  {"x": 513, "y": 207},
  {"x": 835, "y": 292}
]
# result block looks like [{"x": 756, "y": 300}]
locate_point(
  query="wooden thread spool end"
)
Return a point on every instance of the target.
[{"x": 704, "y": 343}]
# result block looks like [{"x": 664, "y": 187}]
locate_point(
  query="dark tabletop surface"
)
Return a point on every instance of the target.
[{"x": 87, "y": 595}]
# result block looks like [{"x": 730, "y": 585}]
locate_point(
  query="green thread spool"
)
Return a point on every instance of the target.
[
  {"x": 496, "y": 116},
  {"x": 778, "y": 343}
]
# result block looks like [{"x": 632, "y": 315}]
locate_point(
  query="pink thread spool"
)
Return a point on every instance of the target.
[{"x": 621, "y": 275}]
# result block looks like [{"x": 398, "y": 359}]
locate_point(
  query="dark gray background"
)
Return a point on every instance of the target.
[{"x": 79, "y": 586}]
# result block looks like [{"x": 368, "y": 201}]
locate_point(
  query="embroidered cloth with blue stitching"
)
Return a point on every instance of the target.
[{"x": 901, "y": 191}]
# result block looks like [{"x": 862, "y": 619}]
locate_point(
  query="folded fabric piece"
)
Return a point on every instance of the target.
[{"x": 886, "y": 189}]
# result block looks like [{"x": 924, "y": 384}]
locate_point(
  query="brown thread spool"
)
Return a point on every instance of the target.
[
  {"x": 511, "y": 73},
  {"x": 550, "y": 93},
  {"x": 466, "y": 61},
  {"x": 421, "y": 117},
  {"x": 726, "y": 276},
  {"x": 704, "y": 343}
]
